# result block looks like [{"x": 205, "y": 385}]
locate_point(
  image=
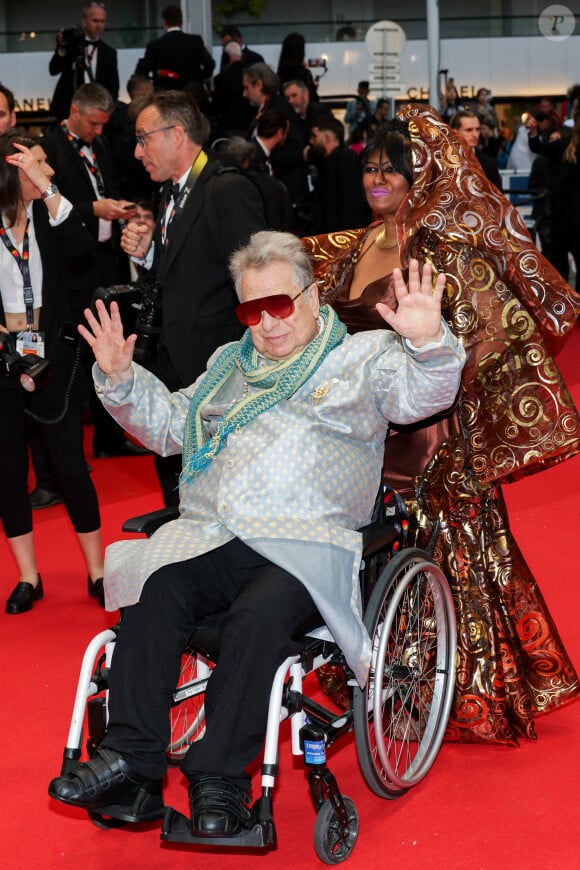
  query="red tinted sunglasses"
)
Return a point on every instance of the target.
[{"x": 277, "y": 305}]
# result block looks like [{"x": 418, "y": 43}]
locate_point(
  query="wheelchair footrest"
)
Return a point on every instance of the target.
[
  {"x": 123, "y": 813},
  {"x": 176, "y": 828}
]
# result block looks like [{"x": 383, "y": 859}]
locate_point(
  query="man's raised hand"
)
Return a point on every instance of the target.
[{"x": 113, "y": 352}]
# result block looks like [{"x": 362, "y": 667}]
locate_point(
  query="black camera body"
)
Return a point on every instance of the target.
[
  {"x": 72, "y": 37},
  {"x": 34, "y": 371},
  {"x": 140, "y": 309}
]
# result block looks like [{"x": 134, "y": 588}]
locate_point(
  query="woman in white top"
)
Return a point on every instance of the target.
[{"x": 37, "y": 225}]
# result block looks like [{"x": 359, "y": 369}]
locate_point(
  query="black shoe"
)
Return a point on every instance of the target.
[
  {"x": 126, "y": 448},
  {"x": 23, "y": 596},
  {"x": 107, "y": 784},
  {"x": 44, "y": 498},
  {"x": 96, "y": 589},
  {"x": 218, "y": 807}
]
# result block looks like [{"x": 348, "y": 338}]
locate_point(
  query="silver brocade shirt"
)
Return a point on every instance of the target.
[{"x": 296, "y": 482}]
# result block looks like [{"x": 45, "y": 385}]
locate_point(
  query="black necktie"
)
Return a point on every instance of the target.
[
  {"x": 175, "y": 192},
  {"x": 81, "y": 143},
  {"x": 94, "y": 42}
]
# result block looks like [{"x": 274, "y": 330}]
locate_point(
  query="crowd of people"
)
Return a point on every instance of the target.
[{"x": 247, "y": 205}]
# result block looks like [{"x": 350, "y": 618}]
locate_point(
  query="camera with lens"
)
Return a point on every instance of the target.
[
  {"x": 33, "y": 371},
  {"x": 72, "y": 37},
  {"x": 140, "y": 310}
]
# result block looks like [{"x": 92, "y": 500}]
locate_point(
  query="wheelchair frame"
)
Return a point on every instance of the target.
[{"x": 411, "y": 621}]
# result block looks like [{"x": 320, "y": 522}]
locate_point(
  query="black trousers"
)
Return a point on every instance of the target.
[
  {"x": 268, "y": 611},
  {"x": 64, "y": 445}
]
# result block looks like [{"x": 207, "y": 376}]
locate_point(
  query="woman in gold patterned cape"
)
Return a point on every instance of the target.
[{"x": 514, "y": 416}]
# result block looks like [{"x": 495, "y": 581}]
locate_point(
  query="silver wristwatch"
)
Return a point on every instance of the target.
[{"x": 50, "y": 191}]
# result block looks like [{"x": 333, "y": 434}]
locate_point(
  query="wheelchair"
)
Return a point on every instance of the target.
[{"x": 399, "y": 718}]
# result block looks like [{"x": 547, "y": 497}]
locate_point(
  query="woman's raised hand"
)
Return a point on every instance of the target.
[
  {"x": 29, "y": 163},
  {"x": 113, "y": 352},
  {"x": 418, "y": 314}
]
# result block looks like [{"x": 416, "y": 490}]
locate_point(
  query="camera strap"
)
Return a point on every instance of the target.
[{"x": 23, "y": 264}]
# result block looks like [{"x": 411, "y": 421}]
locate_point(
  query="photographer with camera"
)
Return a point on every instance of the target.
[
  {"x": 81, "y": 56},
  {"x": 86, "y": 174},
  {"x": 37, "y": 225}
]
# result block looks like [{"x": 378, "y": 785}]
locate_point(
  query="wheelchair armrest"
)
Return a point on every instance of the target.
[{"x": 149, "y": 523}]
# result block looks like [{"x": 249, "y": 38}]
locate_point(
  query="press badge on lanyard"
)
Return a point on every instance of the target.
[{"x": 30, "y": 341}]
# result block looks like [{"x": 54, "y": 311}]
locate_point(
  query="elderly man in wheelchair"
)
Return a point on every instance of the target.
[{"x": 282, "y": 442}]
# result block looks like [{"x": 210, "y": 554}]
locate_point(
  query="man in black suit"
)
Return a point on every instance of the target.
[
  {"x": 249, "y": 158},
  {"x": 84, "y": 173},
  {"x": 7, "y": 109},
  {"x": 271, "y": 134},
  {"x": 134, "y": 183},
  {"x": 81, "y": 56},
  {"x": 231, "y": 113},
  {"x": 261, "y": 88},
  {"x": 176, "y": 59},
  {"x": 297, "y": 94},
  {"x": 83, "y": 166},
  {"x": 233, "y": 34},
  {"x": 205, "y": 214},
  {"x": 338, "y": 198},
  {"x": 467, "y": 125}
]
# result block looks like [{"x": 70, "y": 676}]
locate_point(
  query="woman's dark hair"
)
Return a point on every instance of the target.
[
  {"x": 392, "y": 138},
  {"x": 10, "y": 191},
  {"x": 292, "y": 51},
  {"x": 572, "y": 151}
]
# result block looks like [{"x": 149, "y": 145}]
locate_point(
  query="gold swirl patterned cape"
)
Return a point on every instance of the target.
[
  {"x": 512, "y": 312},
  {"x": 506, "y": 303}
]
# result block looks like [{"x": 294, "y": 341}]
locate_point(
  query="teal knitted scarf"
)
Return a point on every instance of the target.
[{"x": 274, "y": 382}]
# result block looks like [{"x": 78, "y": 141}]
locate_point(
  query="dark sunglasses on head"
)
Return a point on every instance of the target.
[{"x": 277, "y": 305}]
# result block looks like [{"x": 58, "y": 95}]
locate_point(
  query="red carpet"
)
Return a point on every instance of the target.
[{"x": 481, "y": 808}]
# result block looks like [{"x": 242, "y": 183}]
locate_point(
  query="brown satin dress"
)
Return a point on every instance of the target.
[{"x": 511, "y": 662}]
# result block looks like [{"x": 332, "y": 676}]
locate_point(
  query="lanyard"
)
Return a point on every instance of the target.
[
  {"x": 93, "y": 167},
  {"x": 24, "y": 266},
  {"x": 178, "y": 203}
]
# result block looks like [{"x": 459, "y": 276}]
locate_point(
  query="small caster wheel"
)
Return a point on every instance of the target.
[
  {"x": 105, "y": 823},
  {"x": 331, "y": 846}
]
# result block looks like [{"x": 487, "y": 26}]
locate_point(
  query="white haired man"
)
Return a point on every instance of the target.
[{"x": 285, "y": 431}]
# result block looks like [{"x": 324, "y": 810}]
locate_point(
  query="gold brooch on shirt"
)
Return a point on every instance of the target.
[{"x": 320, "y": 392}]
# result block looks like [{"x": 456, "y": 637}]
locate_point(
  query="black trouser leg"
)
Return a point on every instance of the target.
[
  {"x": 265, "y": 625},
  {"x": 15, "y": 510},
  {"x": 154, "y": 633},
  {"x": 43, "y": 471}
]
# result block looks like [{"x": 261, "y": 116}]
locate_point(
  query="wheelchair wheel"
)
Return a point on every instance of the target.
[
  {"x": 331, "y": 846},
  {"x": 401, "y": 715},
  {"x": 187, "y": 714}
]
